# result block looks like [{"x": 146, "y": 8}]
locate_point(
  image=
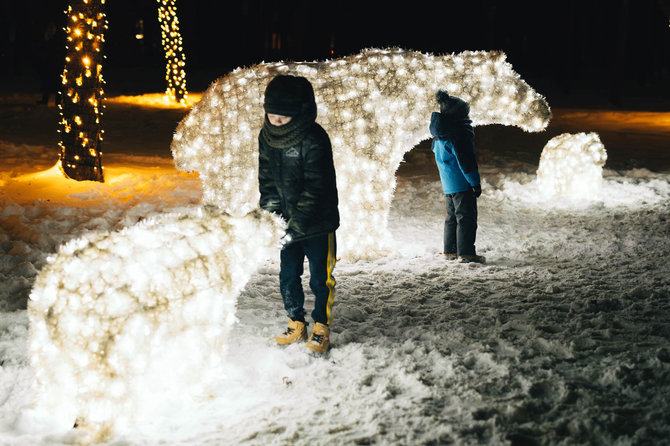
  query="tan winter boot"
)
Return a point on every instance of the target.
[
  {"x": 296, "y": 332},
  {"x": 472, "y": 258},
  {"x": 320, "y": 339}
]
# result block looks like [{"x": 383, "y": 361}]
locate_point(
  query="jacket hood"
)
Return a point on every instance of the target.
[{"x": 444, "y": 126}]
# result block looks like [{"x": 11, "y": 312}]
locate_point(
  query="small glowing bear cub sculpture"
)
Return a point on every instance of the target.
[
  {"x": 119, "y": 322},
  {"x": 375, "y": 105},
  {"x": 571, "y": 166}
]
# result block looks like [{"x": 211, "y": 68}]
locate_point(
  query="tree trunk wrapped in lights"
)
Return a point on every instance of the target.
[
  {"x": 82, "y": 93},
  {"x": 174, "y": 51}
]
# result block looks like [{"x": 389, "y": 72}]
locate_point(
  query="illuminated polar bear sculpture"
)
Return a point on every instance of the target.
[
  {"x": 375, "y": 106},
  {"x": 571, "y": 166},
  {"x": 122, "y": 322}
]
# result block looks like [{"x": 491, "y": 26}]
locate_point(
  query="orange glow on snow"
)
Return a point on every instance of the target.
[
  {"x": 123, "y": 183},
  {"x": 640, "y": 121},
  {"x": 156, "y": 100}
]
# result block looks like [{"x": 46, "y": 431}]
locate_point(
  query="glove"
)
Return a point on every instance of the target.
[
  {"x": 285, "y": 239},
  {"x": 477, "y": 190}
]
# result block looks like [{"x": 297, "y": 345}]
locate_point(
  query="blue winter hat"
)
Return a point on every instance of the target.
[
  {"x": 451, "y": 105},
  {"x": 288, "y": 95}
]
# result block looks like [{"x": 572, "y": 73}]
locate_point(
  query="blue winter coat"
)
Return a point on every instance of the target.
[{"x": 454, "y": 148}]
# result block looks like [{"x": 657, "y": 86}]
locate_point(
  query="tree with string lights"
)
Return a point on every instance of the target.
[
  {"x": 174, "y": 51},
  {"x": 82, "y": 83},
  {"x": 82, "y": 92}
]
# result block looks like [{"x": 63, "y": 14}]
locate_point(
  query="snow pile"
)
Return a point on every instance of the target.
[
  {"x": 375, "y": 106},
  {"x": 571, "y": 165},
  {"x": 121, "y": 322},
  {"x": 563, "y": 337}
]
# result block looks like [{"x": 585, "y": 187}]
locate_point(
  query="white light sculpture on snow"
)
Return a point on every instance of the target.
[
  {"x": 120, "y": 323},
  {"x": 571, "y": 166},
  {"x": 375, "y": 106}
]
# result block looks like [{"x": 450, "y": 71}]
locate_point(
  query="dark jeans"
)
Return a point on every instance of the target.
[
  {"x": 460, "y": 226},
  {"x": 321, "y": 252}
]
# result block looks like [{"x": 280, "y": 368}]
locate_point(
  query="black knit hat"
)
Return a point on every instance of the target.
[
  {"x": 452, "y": 105},
  {"x": 288, "y": 95}
]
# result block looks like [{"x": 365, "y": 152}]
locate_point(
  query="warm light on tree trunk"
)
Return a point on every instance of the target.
[
  {"x": 82, "y": 92},
  {"x": 174, "y": 51}
]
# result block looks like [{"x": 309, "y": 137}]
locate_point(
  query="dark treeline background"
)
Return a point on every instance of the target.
[{"x": 619, "y": 46}]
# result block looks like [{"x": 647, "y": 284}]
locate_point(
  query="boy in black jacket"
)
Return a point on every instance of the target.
[{"x": 296, "y": 178}]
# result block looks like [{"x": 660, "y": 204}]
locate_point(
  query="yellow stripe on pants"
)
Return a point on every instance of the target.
[{"x": 330, "y": 280}]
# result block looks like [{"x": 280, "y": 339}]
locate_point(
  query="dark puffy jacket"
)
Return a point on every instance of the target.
[{"x": 298, "y": 183}]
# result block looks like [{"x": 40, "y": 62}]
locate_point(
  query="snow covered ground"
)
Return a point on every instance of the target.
[{"x": 562, "y": 338}]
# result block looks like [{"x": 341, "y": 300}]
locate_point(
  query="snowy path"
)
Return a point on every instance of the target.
[{"x": 562, "y": 338}]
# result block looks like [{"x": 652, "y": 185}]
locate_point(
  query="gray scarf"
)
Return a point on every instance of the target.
[{"x": 287, "y": 135}]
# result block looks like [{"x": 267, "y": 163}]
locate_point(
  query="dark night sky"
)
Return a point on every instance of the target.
[{"x": 565, "y": 42}]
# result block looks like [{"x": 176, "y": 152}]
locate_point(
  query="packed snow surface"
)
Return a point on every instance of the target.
[{"x": 562, "y": 337}]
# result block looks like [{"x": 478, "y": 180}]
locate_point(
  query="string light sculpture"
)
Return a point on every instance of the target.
[
  {"x": 82, "y": 92},
  {"x": 571, "y": 166},
  {"x": 122, "y": 322},
  {"x": 375, "y": 106},
  {"x": 174, "y": 52}
]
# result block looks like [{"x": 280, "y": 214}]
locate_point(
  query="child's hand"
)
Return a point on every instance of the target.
[
  {"x": 477, "y": 190},
  {"x": 286, "y": 239}
]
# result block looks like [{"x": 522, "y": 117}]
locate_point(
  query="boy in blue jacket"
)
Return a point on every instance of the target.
[{"x": 454, "y": 147}]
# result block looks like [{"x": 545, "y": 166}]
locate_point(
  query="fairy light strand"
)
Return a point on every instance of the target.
[
  {"x": 82, "y": 92},
  {"x": 174, "y": 51}
]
